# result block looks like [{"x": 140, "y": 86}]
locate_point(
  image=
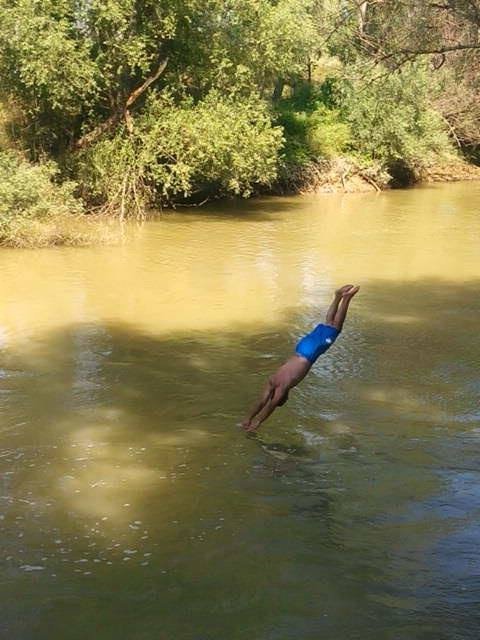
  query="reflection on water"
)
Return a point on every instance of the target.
[{"x": 130, "y": 504}]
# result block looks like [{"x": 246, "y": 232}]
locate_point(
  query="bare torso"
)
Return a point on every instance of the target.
[{"x": 291, "y": 372}]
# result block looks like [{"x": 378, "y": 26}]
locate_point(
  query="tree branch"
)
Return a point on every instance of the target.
[
  {"x": 142, "y": 88},
  {"x": 124, "y": 112},
  {"x": 440, "y": 50},
  {"x": 87, "y": 139}
]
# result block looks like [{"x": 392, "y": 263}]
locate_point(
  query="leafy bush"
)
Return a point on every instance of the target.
[
  {"x": 184, "y": 152},
  {"x": 327, "y": 135},
  {"x": 34, "y": 210},
  {"x": 320, "y": 134},
  {"x": 296, "y": 151},
  {"x": 392, "y": 120},
  {"x": 386, "y": 120}
]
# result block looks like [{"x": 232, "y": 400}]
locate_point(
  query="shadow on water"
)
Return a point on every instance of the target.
[
  {"x": 132, "y": 506},
  {"x": 258, "y": 210},
  {"x": 282, "y": 451}
]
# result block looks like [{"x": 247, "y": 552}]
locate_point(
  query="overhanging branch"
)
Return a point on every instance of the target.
[
  {"x": 440, "y": 50},
  {"x": 124, "y": 112}
]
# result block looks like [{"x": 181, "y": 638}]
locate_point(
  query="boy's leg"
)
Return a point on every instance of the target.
[
  {"x": 343, "y": 308},
  {"x": 333, "y": 308}
]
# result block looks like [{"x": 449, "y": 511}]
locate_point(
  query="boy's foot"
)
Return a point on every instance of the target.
[
  {"x": 351, "y": 292},
  {"x": 343, "y": 290}
]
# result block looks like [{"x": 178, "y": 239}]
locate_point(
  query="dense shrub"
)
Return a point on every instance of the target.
[
  {"x": 313, "y": 136},
  {"x": 386, "y": 119},
  {"x": 34, "y": 210},
  {"x": 147, "y": 103},
  {"x": 392, "y": 120},
  {"x": 184, "y": 151},
  {"x": 328, "y": 136}
]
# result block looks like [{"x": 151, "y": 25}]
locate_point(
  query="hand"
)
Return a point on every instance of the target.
[{"x": 250, "y": 425}]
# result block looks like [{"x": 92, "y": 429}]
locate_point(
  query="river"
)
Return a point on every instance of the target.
[{"x": 131, "y": 504}]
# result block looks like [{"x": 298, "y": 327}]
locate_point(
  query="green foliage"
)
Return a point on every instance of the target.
[
  {"x": 280, "y": 37},
  {"x": 243, "y": 45},
  {"x": 33, "y": 208},
  {"x": 71, "y": 65},
  {"x": 41, "y": 60},
  {"x": 327, "y": 135},
  {"x": 296, "y": 151},
  {"x": 4, "y": 122},
  {"x": 308, "y": 97},
  {"x": 386, "y": 118},
  {"x": 91, "y": 91},
  {"x": 392, "y": 119},
  {"x": 45, "y": 67},
  {"x": 215, "y": 147},
  {"x": 313, "y": 135}
]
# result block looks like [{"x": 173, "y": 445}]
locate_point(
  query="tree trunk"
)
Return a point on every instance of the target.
[
  {"x": 362, "y": 16},
  {"x": 278, "y": 90}
]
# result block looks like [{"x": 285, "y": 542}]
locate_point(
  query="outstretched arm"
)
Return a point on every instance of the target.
[
  {"x": 267, "y": 393},
  {"x": 268, "y": 408}
]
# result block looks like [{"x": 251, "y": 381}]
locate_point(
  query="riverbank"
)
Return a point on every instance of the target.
[
  {"x": 343, "y": 175},
  {"x": 38, "y": 212}
]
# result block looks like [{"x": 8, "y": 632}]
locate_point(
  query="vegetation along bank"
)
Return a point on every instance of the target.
[{"x": 116, "y": 107}]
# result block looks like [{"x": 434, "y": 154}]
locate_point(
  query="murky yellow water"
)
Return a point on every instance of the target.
[{"x": 132, "y": 507}]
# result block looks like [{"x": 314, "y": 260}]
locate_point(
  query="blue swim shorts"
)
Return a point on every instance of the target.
[{"x": 317, "y": 342}]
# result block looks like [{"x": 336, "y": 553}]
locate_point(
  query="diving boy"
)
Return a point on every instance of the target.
[{"x": 310, "y": 347}]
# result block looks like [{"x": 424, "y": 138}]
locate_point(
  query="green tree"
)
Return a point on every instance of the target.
[
  {"x": 147, "y": 101},
  {"x": 180, "y": 151}
]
